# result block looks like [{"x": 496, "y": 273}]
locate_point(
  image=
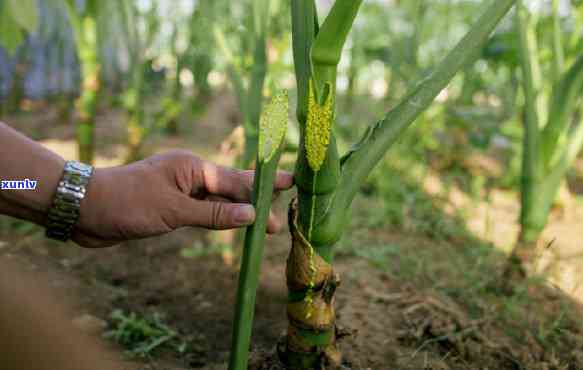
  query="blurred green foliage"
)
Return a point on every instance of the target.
[
  {"x": 160, "y": 61},
  {"x": 16, "y": 17}
]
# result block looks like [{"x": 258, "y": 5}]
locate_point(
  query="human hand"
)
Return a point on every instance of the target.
[{"x": 166, "y": 192}]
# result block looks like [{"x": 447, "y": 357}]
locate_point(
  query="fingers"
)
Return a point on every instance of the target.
[
  {"x": 283, "y": 181},
  {"x": 223, "y": 183},
  {"x": 227, "y": 182},
  {"x": 237, "y": 185},
  {"x": 221, "y": 215},
  {"x": 274, "y": 223},
  {"x": 217, "y": 215}
]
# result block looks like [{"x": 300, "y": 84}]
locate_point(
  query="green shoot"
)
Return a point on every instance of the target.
[{"x": 272, "y": 129}]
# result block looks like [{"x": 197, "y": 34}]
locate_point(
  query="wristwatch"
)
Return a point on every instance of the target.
[{"x": 64, "y": 212}]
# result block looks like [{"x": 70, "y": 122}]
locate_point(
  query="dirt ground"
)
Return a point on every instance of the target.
[{"x": 414, "y": 302}]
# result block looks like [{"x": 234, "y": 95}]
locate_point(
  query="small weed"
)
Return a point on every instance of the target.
[
  {"x": 141, "y": 335},
  {"x": 551, "y": 332},
  {"x": 19, "y": 227}
]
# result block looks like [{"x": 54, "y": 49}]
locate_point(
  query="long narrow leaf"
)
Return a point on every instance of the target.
[
  {"x": 76, "y": 23},
  {"x": 529, "y": 39},
  {"x": 565, "y": 94},
  {"x": 358, "y": 164},
  {"x": 569, "y": 154},
  {"x": 327, "y": 48},
  {"x": 534, "y": 215},
  {"x": 558, "y": 54},
  {"x": 24, "y": 12},
  {"x": 304, "y": 24},
  {"x": 574, "y": 145},
  {"x": 10, "y": 34},
  {"x": 259, "y": 68},
  {"x": 260, "y": 16}
]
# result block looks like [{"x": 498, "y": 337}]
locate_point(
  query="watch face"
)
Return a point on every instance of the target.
[{"x": 81, "y": 168}]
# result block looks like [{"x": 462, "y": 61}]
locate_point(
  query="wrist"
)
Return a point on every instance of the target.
[{"x": 91, "y": 211}]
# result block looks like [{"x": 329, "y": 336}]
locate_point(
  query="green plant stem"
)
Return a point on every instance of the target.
[
  {"x": 251, "y": 260},
  {"x": 175, "y": 86},
  {"x": 255, "y": 100},
  {"x": 200, "y": 52},
  {"x": 250, "y": 97},
  {"x": 352, "y": 73},
  {"x": 531, "y": 150},
  {"x": 558, "y": 54},
  {"x": 316, "y": 187},
  {"x": 137, "y": 128},
  {"x": 548, "y": 152},
  {"x": 325, "y": 192},
  {"x": 87, "y": 103},
  {"x": 529, "y": 40}
]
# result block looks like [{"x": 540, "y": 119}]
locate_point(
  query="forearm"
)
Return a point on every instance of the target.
[{"x": 20, "y": 159}]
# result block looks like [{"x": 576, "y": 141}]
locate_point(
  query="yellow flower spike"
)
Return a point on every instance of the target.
[
  {"x": 318, "y": 127},
  {"x": 273, "y": 126}
]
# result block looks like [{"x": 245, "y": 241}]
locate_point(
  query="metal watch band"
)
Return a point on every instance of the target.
[{"x": 64, "y": 212}]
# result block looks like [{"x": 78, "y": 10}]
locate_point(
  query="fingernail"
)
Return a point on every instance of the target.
[
  {"x": 275, "y": 228},
  {"x": 286, "y": 179},
  {"x": 245, "y": 214}
]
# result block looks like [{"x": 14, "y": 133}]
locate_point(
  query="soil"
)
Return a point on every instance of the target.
[{"x": 399, "y": 321}]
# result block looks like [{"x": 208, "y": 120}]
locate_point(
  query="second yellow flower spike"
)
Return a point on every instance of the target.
[{"x": 318, "y": 127}]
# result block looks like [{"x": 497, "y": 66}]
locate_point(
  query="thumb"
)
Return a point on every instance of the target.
[{"x": 218, "y": 215}]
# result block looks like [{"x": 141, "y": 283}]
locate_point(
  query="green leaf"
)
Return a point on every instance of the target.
[
  {"x": 304, "y": 28},
  {"x": 327, "y": 48},
  {"x": 24, "y": 12},
  {"x": 10, "y": 33},
  {"x": 563, "y": 106},
  {"x": 358, "y": 165},
  {"x": 260, "y": 16},
  {"x": 75, "y": 21},
  {"x": 273, "y": 126}
]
